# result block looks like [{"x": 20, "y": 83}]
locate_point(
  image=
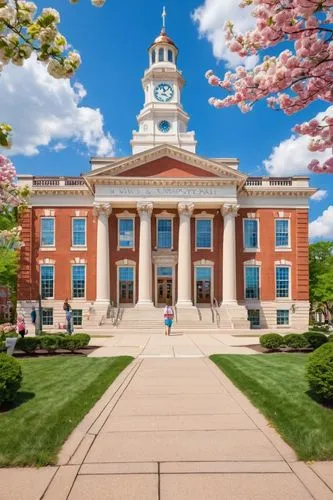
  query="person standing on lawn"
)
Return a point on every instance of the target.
[{"x": 168, "y": 318}]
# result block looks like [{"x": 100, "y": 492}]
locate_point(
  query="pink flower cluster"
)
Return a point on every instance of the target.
[
  {"x": 293, "y": 79},
  {"x": 7, "y": 171}
]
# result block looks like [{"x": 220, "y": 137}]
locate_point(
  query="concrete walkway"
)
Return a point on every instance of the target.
[
  {"x": 171, "y": 429},
  {"x": 178, "y": 345}
]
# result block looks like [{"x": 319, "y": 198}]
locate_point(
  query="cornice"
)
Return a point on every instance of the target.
[
  {"x": 162, "y": 181},
  {"x": 58, "y": 191},
  {"x": 278, "y": 192}
]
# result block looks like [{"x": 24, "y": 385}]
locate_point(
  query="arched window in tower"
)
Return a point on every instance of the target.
[
  {"x": 161, "y": 55},
  {"x": 170, "y": 55},
  {"x": 153, "y": 56}
]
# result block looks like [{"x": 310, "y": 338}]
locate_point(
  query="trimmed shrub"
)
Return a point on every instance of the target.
[
  {"x": 319, "y": 371},
  {"x": 28, "y": 344},
  {"x": 83, "y": 338},
  {"x": 271, "y": 340},
  {"x": 315, "y": 339},
  {"x": 10, "y": 378},
  {"x": 49, "y": 342},
  {"x": 295, "y": 341},
  {"x": 330, "y": 338},
  {"x": 74, "y": 342}
]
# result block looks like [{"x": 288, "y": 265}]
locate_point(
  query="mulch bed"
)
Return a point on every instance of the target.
[
  {"x": 263, "y": 350},
  {"x": 42, "y": 353}
]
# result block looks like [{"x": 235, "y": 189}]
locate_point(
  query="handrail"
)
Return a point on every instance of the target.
[
  {"x": 101, "y": 321},
  {"x": 212, "y": 311},
  {"x": 176, "y": 314},
  {"x": 199, "y": 314},
  {"x": 217, "y": 314}
]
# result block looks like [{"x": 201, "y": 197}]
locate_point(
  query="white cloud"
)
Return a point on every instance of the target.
[
  {"x": 42, "y": 109},
  {"x": 210, "y": 18},
  {"x": 322, "y": 227},
  {"x": 321, "y": 194},
  {"x": 291, "y": 157}
]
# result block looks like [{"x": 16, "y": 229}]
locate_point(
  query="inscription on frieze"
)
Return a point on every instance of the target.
[{"x": 161, "y": 191}]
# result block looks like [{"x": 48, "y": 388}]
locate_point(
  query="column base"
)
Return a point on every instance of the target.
[{"x": 185, "y": 304}]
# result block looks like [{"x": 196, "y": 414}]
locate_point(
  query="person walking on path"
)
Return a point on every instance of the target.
[
  {"x": 21, "y": 330},
  {"x": 69, "y": 317},
  {"x": 168, "y": 318},
  {"x": 33, "y": 316}
]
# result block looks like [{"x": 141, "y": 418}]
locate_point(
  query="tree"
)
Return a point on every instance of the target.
[
  {"x": 321, "y": 276},
  {"x": 290, "y": 81}
]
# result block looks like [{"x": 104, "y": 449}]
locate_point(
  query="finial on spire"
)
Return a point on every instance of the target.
[{"x": 164, "y": 14}]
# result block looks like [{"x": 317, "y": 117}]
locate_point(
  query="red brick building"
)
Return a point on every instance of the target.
[{"x": 167, "y": 224}]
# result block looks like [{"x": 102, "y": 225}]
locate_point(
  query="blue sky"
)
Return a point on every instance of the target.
[{"x": 113, "y": 44}]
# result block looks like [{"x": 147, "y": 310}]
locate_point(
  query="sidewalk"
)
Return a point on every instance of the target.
[{"x": 171, "y": 429}]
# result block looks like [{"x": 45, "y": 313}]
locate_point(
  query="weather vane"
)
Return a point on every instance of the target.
[{"x": 164, "y": 14}]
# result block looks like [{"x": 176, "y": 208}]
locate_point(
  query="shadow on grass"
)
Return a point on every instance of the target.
[
  {"x": 317, "y": 399},
  {"x": 21, "y": 398}
]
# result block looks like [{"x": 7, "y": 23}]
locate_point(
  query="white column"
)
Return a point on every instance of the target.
[
  {"x": 145, "y": 210},
  {"x": 229, "y": 213},
  {"x": 185, "y": 211},
  {"x": 103, "y": 211}
]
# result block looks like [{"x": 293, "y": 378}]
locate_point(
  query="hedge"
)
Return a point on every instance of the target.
[
  {"x": 315, "y": 339},
  {"x": 295, "y": 341},
  {"x": 319, "y": 371},
  {"x": 271, "y": 340},
  {"x": 27, "y": 344},
  {"x": 10, "y": 378},
  {"x": 49, "y": 342},
  {"x": 53, "y": 342}
]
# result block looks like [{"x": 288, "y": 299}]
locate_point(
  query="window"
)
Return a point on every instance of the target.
[
  {"x": 251, "y": 234},
  {"x": 125, "y": 233},
  {"x": 161, "y": 55},
  {"x": 47, "y": 282},
  {"x": 203, "y": 233},
  {"x": 79, "y": 232},
  {"x": 47, "y": 232},
  {"x": 78, "y": 281},
  {"x": 282, "y": 233},
  {"x": 253, "y": 316},
  {"x": 77, "y": 317},
  {"x": 282, "y": 317},
  {"x": 47, "y": 316},
  {"x": 164, "y": 272},
  {"x": 164, "y": 233},
  {"x": 170, "y": 56},
  {"x": 252, "y": 282},
  {"x": 153, "y": 57},
  {"x": 282, "y": 281}
]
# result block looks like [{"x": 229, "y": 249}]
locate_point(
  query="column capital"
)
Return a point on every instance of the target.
[
  {"x": 145, "y": 207},
  {"x": 185, "y": 208},
  {"x": 102, "y": 209},
  {"x": 229, "y": 209}
]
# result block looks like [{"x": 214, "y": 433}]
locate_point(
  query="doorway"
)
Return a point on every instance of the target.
[
  {"x": 126, "y": 285},
  {"x": 164, "y": 285},
  {"x": 203, "y": 283}
]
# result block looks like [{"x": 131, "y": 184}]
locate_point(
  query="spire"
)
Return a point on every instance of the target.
[{"x": 164, "y": 15}]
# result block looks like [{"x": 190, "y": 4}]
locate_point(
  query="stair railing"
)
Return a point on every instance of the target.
[
  {"x": 199, "y": 314},
  {"x": 216, "y": 311}
]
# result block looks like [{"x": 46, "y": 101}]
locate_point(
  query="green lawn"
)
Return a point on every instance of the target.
[
  {"x": 55, "y": 395},
  {"x": 276, "y": 385}
]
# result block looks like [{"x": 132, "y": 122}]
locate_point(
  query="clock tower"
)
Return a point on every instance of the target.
[{"x": 162, "y": 119}]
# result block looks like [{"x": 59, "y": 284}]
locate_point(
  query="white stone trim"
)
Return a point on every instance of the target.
[
  {"x": 85, "y": 231},
  {"x": 252, "y": 262},
  {"x": 78, "y": 260},
  {"x": 204, "y": 215},
  {"x": 49, "y": 213},
  {"x": 80, "y": 213},
  {"x": 46, "y": 261}
]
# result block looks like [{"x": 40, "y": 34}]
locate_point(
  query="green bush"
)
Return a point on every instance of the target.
[
  {"x": 9, "y": 335},
  {"x": 49, "y": 342},
  {"x": 84, "y": 339},
  {"x": 295, "y": 341},
  {"x": 315, "y": 339},
  {"x": 271, "y": 340},
  {"x": 10, "y": 378},
  {"x": 27, "y": 344},
  {"x": 74, "y": 342},
  {"x": 330, "y": 338},
  {"x": 319, "y": 371}
]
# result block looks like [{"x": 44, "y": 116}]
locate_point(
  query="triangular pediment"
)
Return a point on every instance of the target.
[{"x": 166, "y": 162}]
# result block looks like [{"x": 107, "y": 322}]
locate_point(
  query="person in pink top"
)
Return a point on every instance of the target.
[
  {"x": 20, "y": 324},
  {"x": 168, "y": 318}
]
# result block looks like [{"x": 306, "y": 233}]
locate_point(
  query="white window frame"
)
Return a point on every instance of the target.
[
  {"x": 164, "y": 217},
  {"x": 287, "y": 325},
  {"x": 85, "y": 233},
  {"x": 85, "y": 282},
  {"x": 259, "y": 281},
  {"x": 286, "y": 248},
  {"x": 122, "y": 217},
  {"x": 211, "y": 220},
  {"x": 47, "y": 247},
  {"x": 40, "y": 280},
  {"x": 253, "y": 249},
  {"x": 288, "y": 265}
]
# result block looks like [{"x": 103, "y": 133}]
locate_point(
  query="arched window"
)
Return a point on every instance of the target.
[
  {"x": 153, "y": 57},
  {"x": 170, "y": 56},
  {"x": 161, "y": 54}
]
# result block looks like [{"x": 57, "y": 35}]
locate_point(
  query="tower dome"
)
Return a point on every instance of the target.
[{"x": 163, "y": 49}]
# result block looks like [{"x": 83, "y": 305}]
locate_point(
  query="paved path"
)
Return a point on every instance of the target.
[
  {"x": 172, "y": 429},
  {"x": 178, "y": 345}
]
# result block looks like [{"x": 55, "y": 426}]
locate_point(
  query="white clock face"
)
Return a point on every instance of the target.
[{"x": 163, "y": 92}]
